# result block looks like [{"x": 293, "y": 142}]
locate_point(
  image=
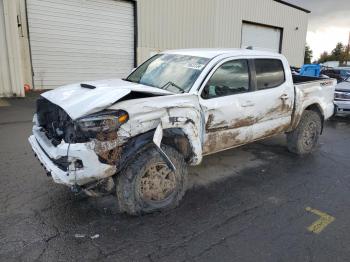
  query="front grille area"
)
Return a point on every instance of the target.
[{"x": 55, "y": 122}]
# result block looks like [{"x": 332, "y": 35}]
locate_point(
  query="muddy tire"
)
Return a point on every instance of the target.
[
  {"x": 147, "y": 184},
  {"x": 304, "y": 139}
]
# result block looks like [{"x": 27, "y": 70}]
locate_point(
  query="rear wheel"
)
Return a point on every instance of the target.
[
  {"x": 148, "y": 185},
  {"x": 304, "y": 139}
]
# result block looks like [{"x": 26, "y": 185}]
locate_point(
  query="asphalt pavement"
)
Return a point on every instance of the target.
[{"x": 254, "y": 203}]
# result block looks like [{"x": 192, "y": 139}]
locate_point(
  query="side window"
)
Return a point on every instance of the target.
[
  {"x": 269, "y": 73},
  {"x": 230, "y": 78}
]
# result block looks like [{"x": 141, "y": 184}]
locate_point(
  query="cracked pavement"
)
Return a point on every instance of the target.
[{"x": 245, "y": 204}]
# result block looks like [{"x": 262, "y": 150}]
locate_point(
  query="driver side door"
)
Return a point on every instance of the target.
[{"x": 224, "y": 99}]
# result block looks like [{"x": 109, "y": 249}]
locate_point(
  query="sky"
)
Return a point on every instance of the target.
[{"x": 329, "y": 23}]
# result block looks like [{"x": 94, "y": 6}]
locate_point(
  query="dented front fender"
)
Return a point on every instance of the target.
[
  {"x": 170, "y": 112},
  {"x": 189, "y": 126}
]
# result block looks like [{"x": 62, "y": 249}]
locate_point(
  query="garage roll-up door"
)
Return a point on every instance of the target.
[
  {"x": 261, "y": 37},
  {"x": 79, "y": 40}
]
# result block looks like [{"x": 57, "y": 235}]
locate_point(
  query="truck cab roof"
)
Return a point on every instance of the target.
[{"x": 214, "y": 52}]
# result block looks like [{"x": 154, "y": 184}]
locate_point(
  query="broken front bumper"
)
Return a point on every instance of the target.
[{"x": 81, "y": 164}]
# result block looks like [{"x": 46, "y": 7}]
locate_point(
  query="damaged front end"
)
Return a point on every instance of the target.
[
  {"x": 85, "y": 151},
  {"x": 77, "y": 152}
]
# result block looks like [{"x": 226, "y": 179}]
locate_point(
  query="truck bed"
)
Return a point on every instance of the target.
[
  {"x": 297, "y": 79},
  {"x": 313, "y": 90}
]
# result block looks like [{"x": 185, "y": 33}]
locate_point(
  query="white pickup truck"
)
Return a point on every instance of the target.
[{"x": 135, "y": 136}]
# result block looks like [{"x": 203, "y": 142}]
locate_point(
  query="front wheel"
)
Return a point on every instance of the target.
[
  {"x": 304, "y": 139},
  {"x": 147, "y": 184}
]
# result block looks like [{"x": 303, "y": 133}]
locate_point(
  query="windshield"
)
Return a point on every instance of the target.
[{"x": 176, "y": 73}]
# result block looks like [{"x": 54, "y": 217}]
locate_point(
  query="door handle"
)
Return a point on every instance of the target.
[
  {"x": 247, "y": 104},
  {"x": 284, "y": 96}
]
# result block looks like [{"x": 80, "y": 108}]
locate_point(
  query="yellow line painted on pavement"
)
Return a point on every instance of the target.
[{"x": 321, "y": 223}]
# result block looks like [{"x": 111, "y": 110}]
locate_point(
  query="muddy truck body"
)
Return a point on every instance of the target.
[{"x": 135, "y": 136}]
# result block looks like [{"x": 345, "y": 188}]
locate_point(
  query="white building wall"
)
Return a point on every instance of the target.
[
  {"x": 162, "y": 24},
  {"x": 169, "y": 24},
  {"x": 15, "y": 70},
  {"x": 5, "y": 81}
]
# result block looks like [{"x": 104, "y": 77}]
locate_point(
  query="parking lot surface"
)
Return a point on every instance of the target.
[{"x": 254, "y": 203}]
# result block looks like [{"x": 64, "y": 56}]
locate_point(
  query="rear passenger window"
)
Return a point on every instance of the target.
[{"x": 269, "y": 73}]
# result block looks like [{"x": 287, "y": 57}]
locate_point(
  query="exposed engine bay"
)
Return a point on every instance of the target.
[{"x": 56, "y": 123}]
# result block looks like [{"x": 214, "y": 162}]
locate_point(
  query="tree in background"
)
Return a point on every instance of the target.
[
  {"x": 308, "y": 54},
  {"x": 324, "y": 57},
  {"x": 339, "y": 53},
  {"x": 347, "y": 53}
]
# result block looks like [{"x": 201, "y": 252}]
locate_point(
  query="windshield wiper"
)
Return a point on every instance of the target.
[{"x": 172, "y": 84}]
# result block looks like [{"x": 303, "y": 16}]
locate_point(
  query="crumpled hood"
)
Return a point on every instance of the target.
[
  {"x": 78, "y": 101},
  {"x": 343, "y": 86}
]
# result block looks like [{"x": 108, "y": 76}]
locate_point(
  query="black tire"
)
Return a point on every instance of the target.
[
  {"x": 135, "y": 184},
  {"x": 304, "y": 139}
]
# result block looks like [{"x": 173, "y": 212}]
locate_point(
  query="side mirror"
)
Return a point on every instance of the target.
[{"x": 205, "y": 92}]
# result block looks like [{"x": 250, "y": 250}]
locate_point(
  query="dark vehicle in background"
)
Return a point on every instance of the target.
[{"x": 337, "y": 73}]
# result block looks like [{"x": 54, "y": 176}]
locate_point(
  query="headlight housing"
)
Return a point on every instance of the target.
[
  {"x": 105, "y": 122},
  {"x": 339, "y": 95}
]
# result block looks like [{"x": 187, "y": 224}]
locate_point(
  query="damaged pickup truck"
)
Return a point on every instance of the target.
[{"x": 134, "y": 137}]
